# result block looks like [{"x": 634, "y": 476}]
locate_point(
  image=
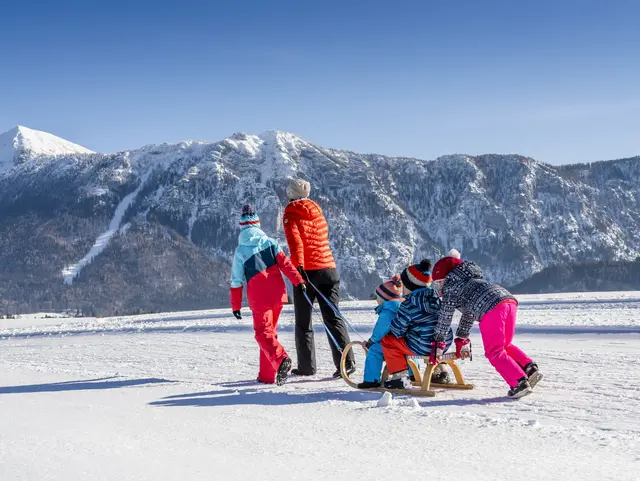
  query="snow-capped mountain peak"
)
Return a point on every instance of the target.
[
  {"x": 160, "y": 222},
  {"x": 22, "y": 142}
]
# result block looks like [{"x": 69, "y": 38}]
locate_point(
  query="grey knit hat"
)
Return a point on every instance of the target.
[{"x": 298, "y": 189}]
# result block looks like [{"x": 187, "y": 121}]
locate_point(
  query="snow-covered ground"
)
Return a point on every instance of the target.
[{"x": 172, "y": 396}]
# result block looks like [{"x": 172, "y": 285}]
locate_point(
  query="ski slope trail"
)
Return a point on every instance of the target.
[
  {"x": 172, "y": 396},
  {"x": 69, "y": 273}
]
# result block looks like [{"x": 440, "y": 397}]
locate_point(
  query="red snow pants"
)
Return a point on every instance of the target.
[
  {"x": 265, "y": 322},
  {"x": 498, "y": 327},
  {"x": 395, "y": 352}
]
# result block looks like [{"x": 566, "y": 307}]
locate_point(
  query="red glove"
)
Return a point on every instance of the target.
[
  {"x": 437, "y": 350},
  {"x": 463, "y": 347}
]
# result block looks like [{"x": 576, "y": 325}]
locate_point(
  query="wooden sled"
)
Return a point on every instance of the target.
[{"x": 422, "y": 386}]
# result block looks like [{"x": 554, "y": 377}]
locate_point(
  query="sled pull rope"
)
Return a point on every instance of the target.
[
  {"x": 333, "y": 339},
  {"x": 335, "y": 310}
]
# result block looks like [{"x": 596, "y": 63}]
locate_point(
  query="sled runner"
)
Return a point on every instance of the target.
[{"x": 422, "y": 386}]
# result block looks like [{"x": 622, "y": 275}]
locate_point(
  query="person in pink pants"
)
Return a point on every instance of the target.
[
  {"x": 463, "y": 287},
  {"x": 497, "y": 328}
]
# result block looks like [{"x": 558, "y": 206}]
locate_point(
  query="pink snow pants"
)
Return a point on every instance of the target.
[
  {"x": 497, "y": 328},
  {"x": 265, "y": 323}
]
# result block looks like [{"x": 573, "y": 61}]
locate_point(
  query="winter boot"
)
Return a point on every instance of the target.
[
  {"x": 399, "y": 380},
  {"x": 368, "y": 385},
  {"x": 351, "y": 368},
  {"x": 533, "y": 374},
  {"x": 440, "y": 375},
  {"x": 283, "y": 371},
  {"x": 520, "y": 390}
]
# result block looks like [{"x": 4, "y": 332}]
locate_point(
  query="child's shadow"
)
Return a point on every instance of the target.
[
  {"x": 466, "y": 402},
  {"x": 264, "y": 397}
]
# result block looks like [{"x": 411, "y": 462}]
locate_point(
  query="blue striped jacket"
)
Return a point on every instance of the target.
[{"x": 417, "y": 320}]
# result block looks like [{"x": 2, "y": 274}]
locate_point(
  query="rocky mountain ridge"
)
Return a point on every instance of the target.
[{"x": 155, "y": 228}]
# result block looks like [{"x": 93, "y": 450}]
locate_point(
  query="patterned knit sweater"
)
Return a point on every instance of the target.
[{"x": 465, "y": 289}]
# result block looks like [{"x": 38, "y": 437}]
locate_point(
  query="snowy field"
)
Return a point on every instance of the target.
[{"x": 172, "y": 397}]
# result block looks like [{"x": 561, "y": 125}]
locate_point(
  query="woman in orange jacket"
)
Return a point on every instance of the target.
[{"x": 307, "y": 234}]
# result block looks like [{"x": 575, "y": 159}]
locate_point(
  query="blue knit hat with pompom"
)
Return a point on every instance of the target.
[{"x": 249, "y": 218}]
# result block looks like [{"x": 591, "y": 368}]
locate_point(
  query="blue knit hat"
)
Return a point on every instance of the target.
[{"x": 249, "y": 218}]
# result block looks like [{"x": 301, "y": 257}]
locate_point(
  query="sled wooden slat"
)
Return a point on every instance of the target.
[
  {"x": 451, "y": 386},
  {"x": 424, "y": 386},
  {"x": 343, "y": 362},
  {"x": 459, "y": 384},
  {"x": 415, "y": 370}
]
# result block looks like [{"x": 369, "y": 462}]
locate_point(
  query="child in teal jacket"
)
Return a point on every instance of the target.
[{"x": 389, "y": 297}]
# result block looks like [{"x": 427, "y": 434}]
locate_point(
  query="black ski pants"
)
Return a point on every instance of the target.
[{"x": 328, "y": 283}]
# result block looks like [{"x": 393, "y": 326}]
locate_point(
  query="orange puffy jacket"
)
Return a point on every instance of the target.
[{"x": 307, "y": 234}]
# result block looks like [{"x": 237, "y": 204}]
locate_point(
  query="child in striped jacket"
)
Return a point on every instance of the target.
[{"x": 412, "y": 331}]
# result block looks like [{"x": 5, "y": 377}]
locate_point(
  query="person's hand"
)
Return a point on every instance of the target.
[
  {"x": 238, "y": 314},
  {"x": 437, "y": 350},
  {"x": 463, "y": 347},
  {"x": 303, "y": 288},
  {"x": 303, "y": 273},
  {"x": 369, "y": 343}
]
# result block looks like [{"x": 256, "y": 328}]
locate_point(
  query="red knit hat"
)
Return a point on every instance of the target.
[
  {"x": 446, "y": 265},
  {"x": 391, "y": 289},
  {"x": 417, "y": 276}
]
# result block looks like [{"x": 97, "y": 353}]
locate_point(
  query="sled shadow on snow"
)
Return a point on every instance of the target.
[
  {"x": 112, "y": 382},
  {"x": 263, "y": 397},
  {"x": 438, "y": 403},
  {"x": 266, "y": 397}
]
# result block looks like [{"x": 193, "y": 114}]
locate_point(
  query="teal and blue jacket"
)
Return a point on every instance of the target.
[
  {"x": 386, "y": 312},
  {"x": 259, "y": 263}
]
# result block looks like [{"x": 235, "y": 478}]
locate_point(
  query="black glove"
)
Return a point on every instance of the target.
[
  {"x": 303, "y": 288},
  {"x": 369, "y": 343},
  {"x": 237, "y": 314},
  {"x": 303, "y": 273}
]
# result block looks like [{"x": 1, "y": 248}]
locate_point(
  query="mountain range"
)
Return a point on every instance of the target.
[
  {"x": 597, "y": 276},
  {"x": 155, "y": 228}
]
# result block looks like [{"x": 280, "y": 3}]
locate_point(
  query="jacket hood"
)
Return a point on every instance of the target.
[
  {"x": 423, "y": 293},
  {"x": 465, "y": 272},
  {"x": 392, "y": 305},
  {"x": 250, "y": 236},
  {"x": 305, "y": 208}
]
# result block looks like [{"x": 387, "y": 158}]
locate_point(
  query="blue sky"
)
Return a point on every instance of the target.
[{"x": 558, "y": 81}]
